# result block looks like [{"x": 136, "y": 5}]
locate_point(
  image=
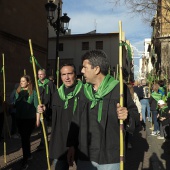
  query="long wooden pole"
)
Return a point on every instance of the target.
[
  {"x": 121, "y": 97},
  {"x": 39, "y": 101},
  {"x": 25, "y": 72},
  {"x": 6, "y": 125},
  {"x": 58, "y": 63},
  {"x": 117, "y": 72},
  {"x": 4, "y": 90}
]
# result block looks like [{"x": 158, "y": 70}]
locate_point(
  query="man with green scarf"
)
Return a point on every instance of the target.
[
  {"x": 95, "y": 127},
  {"x": 64, "y": 104},
  {"x": 46, "y": 89}
]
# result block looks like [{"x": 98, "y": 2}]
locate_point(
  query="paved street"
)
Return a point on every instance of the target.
[{"x": 148, "y": 153}]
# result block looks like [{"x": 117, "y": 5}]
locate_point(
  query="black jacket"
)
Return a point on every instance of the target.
[
  {"x": 153, "y": 104},
  {"x": 96, "y": 141},
  {"x": 61, "y": 119},
  {"x": 46, "y": 93}
]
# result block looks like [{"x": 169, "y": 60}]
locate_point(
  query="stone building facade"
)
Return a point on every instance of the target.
[
  {"x": 19, "y": 22},
  {"x": 160, "y": 47}
]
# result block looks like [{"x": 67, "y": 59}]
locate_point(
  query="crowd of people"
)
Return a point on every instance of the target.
[
  {"x": 85, "y": 115},
  {"x": 155, "y": 102}
]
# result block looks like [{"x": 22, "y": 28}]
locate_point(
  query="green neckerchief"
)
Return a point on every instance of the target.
[
  {"x": 168, "y": 94},
  {"x": 105, "y": 87},
  {"x": 156, "y": 96},
  {"x": 40, "y": 84},
  {"x": 69, "y": 96}
]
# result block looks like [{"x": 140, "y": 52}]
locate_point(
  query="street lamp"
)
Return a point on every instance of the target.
[{"x": 60, "y": 25}]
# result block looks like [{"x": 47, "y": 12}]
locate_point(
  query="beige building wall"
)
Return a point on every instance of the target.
[{"x": 72, "y": 50}]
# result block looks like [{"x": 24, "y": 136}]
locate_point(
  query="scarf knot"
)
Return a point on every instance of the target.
[
  {"x": 44, "y": 85},
  {"x": 69, "y": 96},
  {"x": 105, "y": 87}
]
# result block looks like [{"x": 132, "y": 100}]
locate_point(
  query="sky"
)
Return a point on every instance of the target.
[{"x": 88, "y": 15}]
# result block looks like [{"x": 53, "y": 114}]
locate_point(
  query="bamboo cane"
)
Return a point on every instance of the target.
[
  {"x": 39, "y": 101},
  {"x": 4, "y": 100},
  {"x": 114, "y": 74},
  {"x": 121, "y": 97},
  {"x": 109, "y": 70},
  {"x": 58, "y": 63},
  {"x": 3, "y": 68},
  {"x": 117, "y": 72},
  {"x": 25, "y": 72}
]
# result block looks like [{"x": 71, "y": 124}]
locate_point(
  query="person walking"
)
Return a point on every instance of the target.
[
  {"x": 64, "y": 104},
  {"x": 145, "y": 103},
  {"x": 46, "y": 88},
  {"x": 155, "y": 97},
  {"x": 95, "y": 127},
  {"x": 164, "y": 118},
  {"x": 26, "y": 104},
  {"x": 135, "y": 98}
]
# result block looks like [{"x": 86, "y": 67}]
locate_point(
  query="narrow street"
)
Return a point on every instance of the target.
[{"x": 148, "y": 153}]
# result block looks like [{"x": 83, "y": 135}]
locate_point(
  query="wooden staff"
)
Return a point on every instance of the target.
[
  {"x": 114, "y": 74},
  {"x": 25, "y": 72},
  {"x": 109, "y": 70},
  {"x": 3, "y": 69},
  {"x": 117, "y": 72},
  {"x": 121, "y": 97},
  {"x": 39, "y": 101},
  {"x": 4, "y": 110},
  {"x": 58, "y": 63}
]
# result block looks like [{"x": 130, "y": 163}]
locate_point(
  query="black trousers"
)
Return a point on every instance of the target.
[{"x": 25, "y": 128}]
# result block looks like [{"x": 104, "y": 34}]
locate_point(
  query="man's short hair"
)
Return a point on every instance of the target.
[
  {"x": 71, "y": 65},
  {"x": 97, "y": 58},
  {"x": 43, "y": 70}
]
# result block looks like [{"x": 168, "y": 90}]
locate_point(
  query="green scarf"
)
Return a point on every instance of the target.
[
  {"x": 43, "y": 85},
  {"x": 69, "y": 96},
  {"x": 168, "y": 94},
  {"x": 105, "y": 87},
  {"x": 156, "y": 96}
]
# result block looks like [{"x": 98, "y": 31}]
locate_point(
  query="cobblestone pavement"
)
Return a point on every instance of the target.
[{"x": 148, "y": 153}]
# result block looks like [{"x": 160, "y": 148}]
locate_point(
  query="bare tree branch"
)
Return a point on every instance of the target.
[{"x": 146, "y": 8}]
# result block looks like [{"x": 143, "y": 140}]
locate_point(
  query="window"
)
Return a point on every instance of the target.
[
  {"x": 60, "y": 47},
  {"x": 85, "y": 45},
  {"x": 99, "y": 45}
]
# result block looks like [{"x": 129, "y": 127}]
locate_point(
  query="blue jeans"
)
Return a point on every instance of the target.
[
  {"x": 145, "y": 104},
  {"x": 60, "y": 165},
  {"x": 90, "y": 165},
  {"x": 155, "y": 121}
]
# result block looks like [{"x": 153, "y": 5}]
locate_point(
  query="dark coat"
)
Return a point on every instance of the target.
[
  {"x": 153, "y": 104},
  {"x": 61, "y": 119},
  {"x": 164, "y": 113},
  {"x": 99, "y": 142},
  {"x": 46, "y": 93}
]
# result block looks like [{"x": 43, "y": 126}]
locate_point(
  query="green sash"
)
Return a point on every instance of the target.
[
  {"x": 69, "y": 96},
  {"x": 105, "y": 87},
  {"x": 156, "y": 96},
  {"x": 168, "y": 94},
  {"x": 43, "y": 85}
]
